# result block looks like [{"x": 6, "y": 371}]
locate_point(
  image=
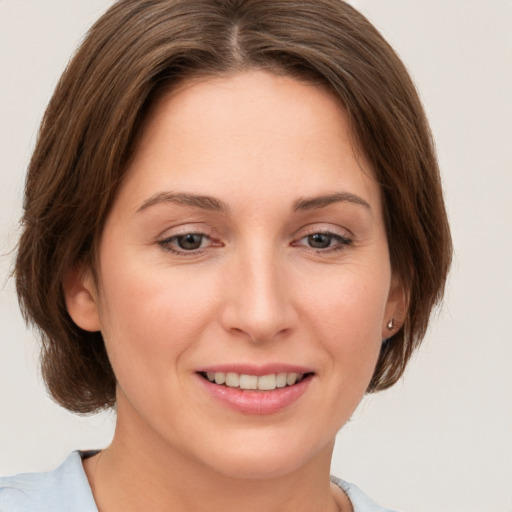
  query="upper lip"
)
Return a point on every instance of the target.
[{"x": 258, "y": 370}]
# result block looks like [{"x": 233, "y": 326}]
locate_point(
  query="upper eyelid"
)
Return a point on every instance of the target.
[
  {"x": 212, "y": 232},
  {"x": 327, "y": 233},
  {"x": 199, "y": 228},
  {"x": 335, "y": 236},
  {"x": 175, "y": 236},
  {"x": 321, "y": 227}
]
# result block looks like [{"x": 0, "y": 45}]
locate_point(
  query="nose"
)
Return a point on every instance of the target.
[{"x": 258, "y": 302}]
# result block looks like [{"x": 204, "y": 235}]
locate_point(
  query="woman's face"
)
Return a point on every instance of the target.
[{"x": 246, "y": 243}]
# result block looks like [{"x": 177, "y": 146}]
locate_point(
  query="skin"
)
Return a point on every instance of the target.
[{"x": 255, "y": 291}]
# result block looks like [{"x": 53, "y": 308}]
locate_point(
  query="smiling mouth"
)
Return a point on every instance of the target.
[{"x": 255, "y": 382}]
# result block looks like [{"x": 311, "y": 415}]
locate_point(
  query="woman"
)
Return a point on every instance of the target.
[{"x": 233, "y": 230}]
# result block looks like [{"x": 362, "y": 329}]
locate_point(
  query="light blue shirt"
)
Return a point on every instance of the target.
[{"x": 66, "y": 489}]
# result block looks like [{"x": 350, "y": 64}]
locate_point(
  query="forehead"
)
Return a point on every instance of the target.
[{"x": 253, "y": 131}]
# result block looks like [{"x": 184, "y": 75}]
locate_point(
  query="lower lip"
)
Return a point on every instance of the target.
[{"x": 257, "y": 402}]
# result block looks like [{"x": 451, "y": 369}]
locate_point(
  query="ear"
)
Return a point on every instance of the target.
[
  {"x": 396, "y": 308},
  {"x": 82, "y": 299}
]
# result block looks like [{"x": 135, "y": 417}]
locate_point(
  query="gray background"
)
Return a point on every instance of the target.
[{"x": 440, "y": 440}]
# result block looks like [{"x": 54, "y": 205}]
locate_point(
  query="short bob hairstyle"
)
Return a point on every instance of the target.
[{"x": 139, "y": 50}]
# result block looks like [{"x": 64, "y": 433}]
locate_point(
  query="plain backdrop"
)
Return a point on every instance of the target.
[{"x": 441, "y": 439}]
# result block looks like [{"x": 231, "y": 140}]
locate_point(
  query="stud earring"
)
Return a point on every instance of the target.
[{"x": 391, "y": 324}]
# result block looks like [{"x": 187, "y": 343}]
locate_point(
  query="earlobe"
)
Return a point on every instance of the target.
[
  {"x": 81, "y": 299},
  {"x": 396, "y": 309}
]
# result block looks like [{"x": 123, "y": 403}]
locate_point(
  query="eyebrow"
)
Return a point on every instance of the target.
[
  {"x": 312, "y": 203},
  {"x": 212, "y": 204},
  {"x": 197, "y": 201}
]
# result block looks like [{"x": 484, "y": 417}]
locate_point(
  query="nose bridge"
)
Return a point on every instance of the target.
[{"x": 259, "y": 303}]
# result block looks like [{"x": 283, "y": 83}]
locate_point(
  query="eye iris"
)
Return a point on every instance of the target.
[
  {"x": 189, "y": 241},
  {"x": 319, "y": 240}
]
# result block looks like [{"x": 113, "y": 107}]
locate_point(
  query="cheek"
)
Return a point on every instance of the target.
[
  {"x": 346, "y": 313},
  {"x": 151, "y": 315}
]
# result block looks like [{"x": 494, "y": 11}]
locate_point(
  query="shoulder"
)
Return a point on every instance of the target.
[
  {"x": 360, "y": 501},
  {"x": 54, "y": 490}
]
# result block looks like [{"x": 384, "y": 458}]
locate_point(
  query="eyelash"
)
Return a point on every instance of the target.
[
  {"x": 341, "y": 242},
  {"x": 166, "y": 244}
]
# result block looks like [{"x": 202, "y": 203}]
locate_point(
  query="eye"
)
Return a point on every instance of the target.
[
  {"x": 325, "y": 241},
  {"x": 188, "y": 242},
  {"x": 320, "y": 240}
]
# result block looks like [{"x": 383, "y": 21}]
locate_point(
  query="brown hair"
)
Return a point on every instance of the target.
[{"x": 140, "y": 48}]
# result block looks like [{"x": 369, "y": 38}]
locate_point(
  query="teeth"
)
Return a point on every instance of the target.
[
  {"x": 262, "y": 383},
  {"x": 291, "y": 379},
  {"x": 248, "y": 382},
  {"x": 281, "y": 380},
  {"x": 267, "y": 382},
  {"x": 232, "y": 380}
]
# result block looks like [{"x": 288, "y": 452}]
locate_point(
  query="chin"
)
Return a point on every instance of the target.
[
  {"x": 266, "y": 458},
  {"x": 259, "y": 468}
]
